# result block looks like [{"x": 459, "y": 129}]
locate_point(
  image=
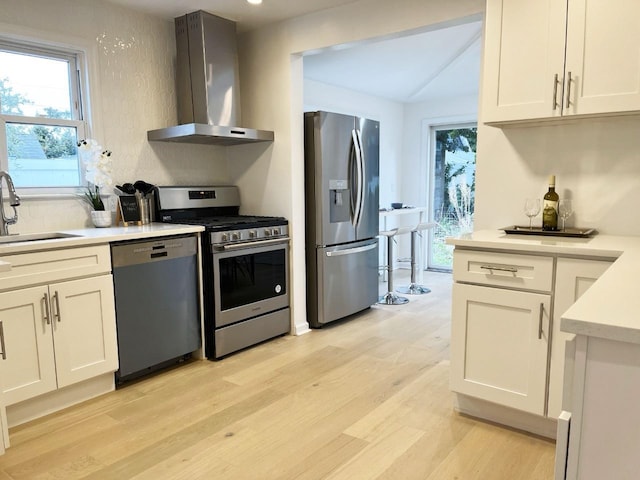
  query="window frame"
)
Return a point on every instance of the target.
[{"x": 78, "y": 73}]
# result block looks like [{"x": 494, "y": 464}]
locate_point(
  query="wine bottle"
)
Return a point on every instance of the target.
[{"x": 550, "y": 207}]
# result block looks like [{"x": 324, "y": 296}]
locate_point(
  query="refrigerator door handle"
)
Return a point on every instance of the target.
[
  {"x": 359, "y": 175},
  {"x": 350, "y": 251},
  {"x": 361, "y": 183}
]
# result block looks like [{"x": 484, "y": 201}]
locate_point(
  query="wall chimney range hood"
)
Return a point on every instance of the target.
[{"x": 207, "y": 85}]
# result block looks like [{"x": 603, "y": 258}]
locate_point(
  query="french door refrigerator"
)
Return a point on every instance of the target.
[{"x": 341, "y": 191}]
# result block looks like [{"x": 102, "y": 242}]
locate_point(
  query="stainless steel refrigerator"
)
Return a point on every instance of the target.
[{"x": 342, "y": 191}]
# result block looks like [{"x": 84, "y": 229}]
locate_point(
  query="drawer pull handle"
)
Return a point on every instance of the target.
[
  {"x": 500, "y": 268},
  {"x": 540, "y": 321}
]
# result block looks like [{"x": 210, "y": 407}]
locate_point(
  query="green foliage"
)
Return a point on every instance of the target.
[
  {"x": 56, "y": 142},
  {"x": 92, "y": 197},
  {"x": 452, "y": 139},
  {"x": 11, "y": 102}
]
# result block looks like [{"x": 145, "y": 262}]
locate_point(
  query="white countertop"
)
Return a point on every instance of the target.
[
  {"x": 401, "y": 211},
  {"x": 94, "y": 236},
  {"x": 611, "y": 307}
]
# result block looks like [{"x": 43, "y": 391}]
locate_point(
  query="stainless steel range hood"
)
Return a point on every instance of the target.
[{"x": 207, "y": 85}]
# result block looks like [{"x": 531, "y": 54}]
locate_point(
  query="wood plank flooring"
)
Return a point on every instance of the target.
[{"x": 367, "y": 398}]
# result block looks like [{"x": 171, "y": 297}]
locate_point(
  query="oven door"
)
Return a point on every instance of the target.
[{"x": 250, "y": 280}]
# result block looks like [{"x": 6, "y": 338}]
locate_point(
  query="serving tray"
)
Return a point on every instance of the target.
[{"x": 567, "y": 232}]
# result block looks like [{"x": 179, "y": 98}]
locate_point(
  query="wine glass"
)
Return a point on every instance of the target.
[
  {"x": 565, "y": 210},
  {"x": 531, "y": 208}
]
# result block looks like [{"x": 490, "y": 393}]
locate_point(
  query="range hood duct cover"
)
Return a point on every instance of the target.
[{"x": 207, "y": 85}]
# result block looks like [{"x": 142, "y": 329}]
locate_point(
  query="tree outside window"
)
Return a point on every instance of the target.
[
  {"x": 454, "y": 190},
  {"x": 40, "y": 116}
]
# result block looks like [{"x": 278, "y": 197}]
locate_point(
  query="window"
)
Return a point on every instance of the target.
[{"x": 40, "y": 117}]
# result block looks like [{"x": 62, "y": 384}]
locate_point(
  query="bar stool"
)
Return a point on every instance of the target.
[
  {"x": 413, "y": 288},
  {"x": 390, "y": 298}
]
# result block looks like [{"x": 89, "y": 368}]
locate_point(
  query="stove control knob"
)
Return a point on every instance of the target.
[
  {"x": 224, "y": 237},
  {"x": 253, "y": 234},
  {"x": 275, "y": 232},
  {"x": 235, "y": 236},
  {"x": 267, "y": 232}
]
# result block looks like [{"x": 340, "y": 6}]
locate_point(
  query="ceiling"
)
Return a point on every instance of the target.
[
  {"x": 441, "y": 63},
  {"x": 245, "y": 15}
]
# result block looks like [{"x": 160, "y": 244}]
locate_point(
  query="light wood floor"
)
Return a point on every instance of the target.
[{"x": 363, "y": 399}]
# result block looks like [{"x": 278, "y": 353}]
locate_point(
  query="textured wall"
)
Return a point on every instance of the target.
[{"x": 132, "y": 58}]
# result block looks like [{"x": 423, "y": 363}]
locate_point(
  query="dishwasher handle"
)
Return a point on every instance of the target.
[{"x": 136, "y": 253}]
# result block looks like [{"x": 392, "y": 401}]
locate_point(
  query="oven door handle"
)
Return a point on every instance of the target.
[
  {"x": 338, "y": 253},
  {"x": 259, "y": 243}
]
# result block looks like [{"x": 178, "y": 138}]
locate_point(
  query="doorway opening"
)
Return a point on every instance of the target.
[{"x": 452, "y": 178}]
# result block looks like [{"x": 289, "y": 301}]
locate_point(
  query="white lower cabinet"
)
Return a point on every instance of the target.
[
  {"x": 603, "y": 438},
  {"x": 499, "y": 346},
  {"x": 56, "y": 335},
  {"x": 28, "y": 366},
  {"x": 506, "y": 343},
  {"x": 573, "y": 277}
]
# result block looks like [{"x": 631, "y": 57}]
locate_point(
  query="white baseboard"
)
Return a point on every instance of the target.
[
  {"x": 543, "y": 426},
  {"x": 42, "y": 405}
]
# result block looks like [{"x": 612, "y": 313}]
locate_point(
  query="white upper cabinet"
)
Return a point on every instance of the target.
[
  {"x": 547, "y": 59},
  {"x": 603, "y": 56},
  {"x": 523, "y": 54}
]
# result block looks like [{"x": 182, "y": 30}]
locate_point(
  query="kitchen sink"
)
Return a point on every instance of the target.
[{"x": 34, "y": 237}]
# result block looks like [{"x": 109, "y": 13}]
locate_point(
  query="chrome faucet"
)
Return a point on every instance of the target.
[{"x": 14, "y": 201}]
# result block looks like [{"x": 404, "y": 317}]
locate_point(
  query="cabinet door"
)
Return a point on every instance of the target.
[
  {"x": 523, "y": 59},
  {"x": 29, "y": 367},
  {"x": 499, "y": 342},
  {"x": 84, "y": 329},
  {"x": 573, "y": 278},
  {"x": 603, "y": 40}
]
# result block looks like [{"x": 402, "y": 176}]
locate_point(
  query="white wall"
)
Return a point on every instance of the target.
[
  {"x": 271, "y": 86},
  {"x": 596, "y": 162},
  {"x": 418, "y": 118},
  {"x": 320, "y": 96},
  {"x": 132, "y": 91}
]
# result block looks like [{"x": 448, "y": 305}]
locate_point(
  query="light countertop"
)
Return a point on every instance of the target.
[
  {"x": 609, "y": 309},
  {"x": 95, "y": 236}
]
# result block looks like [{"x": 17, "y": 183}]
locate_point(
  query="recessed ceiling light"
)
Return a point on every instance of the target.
[{"x": 255, "y": 2}]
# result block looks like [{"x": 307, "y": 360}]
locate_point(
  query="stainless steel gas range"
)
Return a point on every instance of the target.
[{"x": 245, "y": 264}]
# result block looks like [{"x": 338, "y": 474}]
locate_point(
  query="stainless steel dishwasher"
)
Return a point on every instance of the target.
[{"x": 157, "y": 305}]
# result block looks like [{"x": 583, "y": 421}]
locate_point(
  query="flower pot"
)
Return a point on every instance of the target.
[{"x": 101, "y": 218}]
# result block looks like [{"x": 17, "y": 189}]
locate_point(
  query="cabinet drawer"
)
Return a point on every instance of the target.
[
  {"x": 44, "y": 267},
  {"x": 528, "y": 272}
]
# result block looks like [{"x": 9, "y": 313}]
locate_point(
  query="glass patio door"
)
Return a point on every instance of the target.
[{"x": 452, "y": 188}]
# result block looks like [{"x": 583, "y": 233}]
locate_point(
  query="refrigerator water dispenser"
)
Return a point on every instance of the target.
[{"x": 339, "y": 207}]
